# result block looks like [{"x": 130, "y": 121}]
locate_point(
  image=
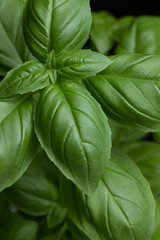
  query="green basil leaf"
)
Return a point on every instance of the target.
[
  {"x": 56, "y": 25},
  {"x": 156, "y": 234},
  {"x": 14, "y": 227},
  {"x": 28, "y": 77},
  {"x": 142, "y": 36},
  {"x": 32, "y": 194},
  {"x": 122, "y": 206},
  {"x": 121, "y": 25},
  {"x": 147, "y": 156},
  {"x": 76, "y": 231},
  {"x": 56, "y": 215},
  {"x": 74, "y": 132},
  {"x": 156, "y": 137},
  {"x": 122, "y": 135},
  {"x": 13, "y": 49},
  {"x": 41, "y": 165},
  {"x": 17, "y": 140},
  {"x": 128, "y": 91},
  {"x": 79, "y": 64},
  {"x": 102, "y": 34}
]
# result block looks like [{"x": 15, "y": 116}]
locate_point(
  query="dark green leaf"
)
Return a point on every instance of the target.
[
  {"x": 28, "y": 77},
  {"x": 41, "y": 165},
  {"x": 13, "y": 49},
  {"x": 74, "y": 132},
  {"x": 76, "y": 231},
  {"x": 102, "y": 34},
  {"x": 17, "y": 140},
  {"x": 122, "y": 206},
  {"x": 142, "y": 36},
  {"x": 56, "y": 25},
  {"x": 32, "y": 194},
  {"x": 147, "y": 156},
  {"x": 122, "y": 135},
  {"x": 56, "y": 215},
  {"x": 79, "y": 64},
  {"x": 156, "y": 137},
  {"x": 129, "y": 91},
  {"x": 14, "y": 227}
]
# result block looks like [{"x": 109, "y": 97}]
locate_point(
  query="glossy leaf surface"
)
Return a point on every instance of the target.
[
  {"x": 119, "y": 206},
  {"x": 17, "y": 141},
  {"x": 129, "y": 91},
  {"x": 79, "y": 64},
  {"x": 56, "y": 25},
  {"x": 32, "y": 194},
  {"x": 13, "y": 49},
  {"x": 28, "y": 77},
  {"x": 74, "y": 132}
]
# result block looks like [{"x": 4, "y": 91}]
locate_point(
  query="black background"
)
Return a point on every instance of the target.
[{"x": 122, "y": 8}]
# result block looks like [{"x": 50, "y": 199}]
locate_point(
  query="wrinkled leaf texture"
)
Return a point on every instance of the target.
[
  {"x": 56, "y": 25},
  {"x": 74, "y": 132},
  {"x": 13, "y": 49},
  {"x": 129, "y": 91},
  {"x": 17, "y": 140},
  {"x": 28, "y": 77},
  {"x": 122, "y": 206}
]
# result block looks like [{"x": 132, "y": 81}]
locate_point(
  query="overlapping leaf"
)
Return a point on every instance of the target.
[
  {"x": 15, "y": 227},
  {"x": 102, "y": 31},
  {"x": 32, "y": 194},
  {"x": 56, "y": 25},
  {"x": 28, "y": 77},
  {"x": 141, "y": 36},
  {"x": 120, "y": 204},
  {"x": 78, "y": 64},
  {"x": 74, "y": 132},
  {"x": 13, "y": 49},
  {"x": 129, "y": 91},
  {"x": 17, "y": 141},
  {"x": 147, "y": 156}
]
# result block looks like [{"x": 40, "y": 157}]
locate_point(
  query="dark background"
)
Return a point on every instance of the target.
[{"x": 121, "y": 8}]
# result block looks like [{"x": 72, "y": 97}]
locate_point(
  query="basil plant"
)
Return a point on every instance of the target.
[{"x": 79, "y": 123}]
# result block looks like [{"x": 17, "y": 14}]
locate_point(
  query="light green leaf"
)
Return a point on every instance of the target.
[
  {"x": 78, "y": 64},
  {"x": 147, "y": 156},
  {"x": 122, "y": 206},
  {"x": 28, "y": 77},
  {"x": 15, "y": 227},
  {"x": 129, "y": 91},
  {"x": 13, "y": 49},
  {"x": 102, "y": 34},
  {"x": 74, "y": 132},
  {"x": 32, "y": 194},
  {"x": 56, "y": 215},
  {"x": 17, "y": 140},
  {"x": 142, "y": 36},
  {"x": 121, "y": 25},
  {"x": 56, "y": 25}
]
